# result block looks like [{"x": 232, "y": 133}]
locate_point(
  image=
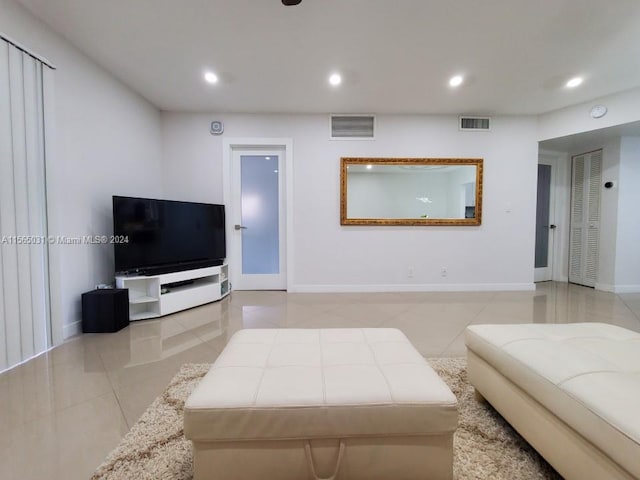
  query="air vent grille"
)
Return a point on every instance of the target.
[
  {"x": 344, "y": 127},
  {"x": 482, "y": 124}
]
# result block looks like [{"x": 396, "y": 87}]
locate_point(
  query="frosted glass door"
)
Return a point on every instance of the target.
[
  {"x": 260, "y": 214},
  {"x": 258, "y": 238}
]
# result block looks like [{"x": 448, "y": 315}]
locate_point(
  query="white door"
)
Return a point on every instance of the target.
[
  {"x": 258, "y": 233},
  {"x": 545, "y": 227},
  {"x": 586, "y": 177}
]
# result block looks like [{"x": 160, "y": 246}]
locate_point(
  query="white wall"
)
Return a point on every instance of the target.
[
  {"x": 608, "y": 214},
  {"x": 496, "y": 255},
  {"x": 622, "y": 108},
  {"x": 627, "y": 274},
  {"x": 107, "y": 141}
]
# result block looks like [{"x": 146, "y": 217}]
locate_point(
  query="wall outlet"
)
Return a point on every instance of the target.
[
  {"x": 410, "y": 272},
  {"x": 443, "y": 272}
]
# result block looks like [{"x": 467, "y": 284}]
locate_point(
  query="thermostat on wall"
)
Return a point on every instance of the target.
[{"x": 217, "y": 127}]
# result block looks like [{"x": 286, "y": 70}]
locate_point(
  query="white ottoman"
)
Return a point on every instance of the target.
[{"x": 321, "y": 403}]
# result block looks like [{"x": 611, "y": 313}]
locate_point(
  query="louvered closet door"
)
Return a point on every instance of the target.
[{"x": 585, "y": 218}]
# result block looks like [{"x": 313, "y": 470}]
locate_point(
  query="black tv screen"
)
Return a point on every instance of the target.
[{"x": 159, "y": 236}]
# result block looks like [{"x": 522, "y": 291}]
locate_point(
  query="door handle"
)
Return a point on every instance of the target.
[
  {"x": 239, "y": 227},
  {"x": 552, "y": 227}
]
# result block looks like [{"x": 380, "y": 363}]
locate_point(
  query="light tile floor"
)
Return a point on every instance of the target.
[{"x": 61, "y": 413}]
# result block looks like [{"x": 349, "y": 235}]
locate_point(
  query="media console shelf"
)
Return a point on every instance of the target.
[{"x": 157, "y": 295}]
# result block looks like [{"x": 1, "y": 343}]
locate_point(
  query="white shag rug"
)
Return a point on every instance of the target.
[{"x": 485, "y": 445}]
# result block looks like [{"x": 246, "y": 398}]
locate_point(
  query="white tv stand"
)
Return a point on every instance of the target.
[{"x": 147, "y": 300}]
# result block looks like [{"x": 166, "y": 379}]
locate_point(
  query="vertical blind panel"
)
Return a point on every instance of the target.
[
  {"x": 21, "y": 197},
  {"x": 5, "y": 156},
  {"x": 31, "y": 322},
  {"x": 22, "y": 208},
  {"x": 8, "y": 226},
  {"x": 46, "y": 106},
  {"x": 37, "y": 216}
]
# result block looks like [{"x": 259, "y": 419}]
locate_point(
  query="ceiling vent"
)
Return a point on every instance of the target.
[
  {"x": 353, "y": 127},
  {"x": 475, "y": 124}
]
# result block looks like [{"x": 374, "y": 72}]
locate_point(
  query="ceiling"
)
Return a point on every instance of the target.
[{"x": 395, "y": 56}]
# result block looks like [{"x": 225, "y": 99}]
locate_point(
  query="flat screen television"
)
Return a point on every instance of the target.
[{"x": 152, "y": 237}]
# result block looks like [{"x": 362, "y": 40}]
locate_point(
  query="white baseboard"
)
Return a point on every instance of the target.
[
  {"x": 618, "y": 288},
  {"x": 626, "y": 289},
  {"x": 71, "y": 329},
  {"x": 429, "y": 287},
  {"x": 25, "y": 361}
]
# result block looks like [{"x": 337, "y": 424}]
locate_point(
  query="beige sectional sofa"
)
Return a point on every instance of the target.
[{"x": 571, "y": 390}]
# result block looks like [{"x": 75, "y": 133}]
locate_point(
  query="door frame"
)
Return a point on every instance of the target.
[
  {"x": 559, "y": 211},
  {"x": 229, "y": 145}
]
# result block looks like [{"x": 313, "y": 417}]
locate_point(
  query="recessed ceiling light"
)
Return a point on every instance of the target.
[
  {"x": 456, "y": 81},
  {"x": 574, "y": 82},
  {"x": 369, "y": 167},
  {"x": 335, "y": 79},
  {"x": 211, "y": 77}
]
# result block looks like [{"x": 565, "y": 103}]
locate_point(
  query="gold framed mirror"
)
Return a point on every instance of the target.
[{"x": 410, "y": 191}]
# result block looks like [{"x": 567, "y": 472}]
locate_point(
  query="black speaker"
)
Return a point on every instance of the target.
[{"x": 105, "y": 310}]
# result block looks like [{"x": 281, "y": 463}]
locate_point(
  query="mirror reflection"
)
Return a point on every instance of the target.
[{"x": 411, "y": 191}]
